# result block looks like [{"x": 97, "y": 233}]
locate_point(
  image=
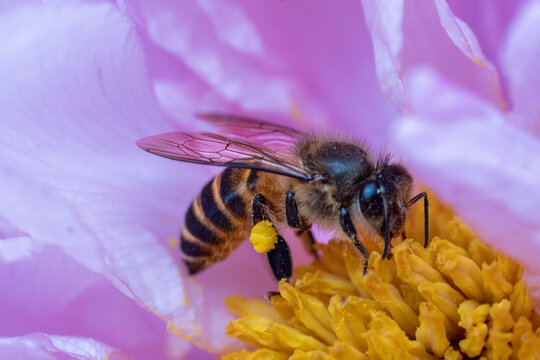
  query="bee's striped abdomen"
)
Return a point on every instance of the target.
[
  {"x": 229, "y": 192},
  {"x": 211, "y": 208},
  {"x": 216, "y": 221}
]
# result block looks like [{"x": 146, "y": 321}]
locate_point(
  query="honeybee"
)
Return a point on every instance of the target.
[{"x": 278, "y": 174}]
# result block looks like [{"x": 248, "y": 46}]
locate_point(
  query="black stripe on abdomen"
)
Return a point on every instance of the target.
[
  {"x": 211, "y": 209},
  {"x": 252, "y": 180},
  {"x": 192, "y": 248},
  {"x": 198, "y": 230},
  {"x": 229, "y": 195}
]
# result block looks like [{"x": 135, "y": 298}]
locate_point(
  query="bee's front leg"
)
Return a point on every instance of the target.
[
  {"x": 295, "y": 222},
  {"x": 348, "y": 228},
  {"x": 279, "y": 258}
]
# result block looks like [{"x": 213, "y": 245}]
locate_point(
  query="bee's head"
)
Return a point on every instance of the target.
[{"x": 384, "y": 198}]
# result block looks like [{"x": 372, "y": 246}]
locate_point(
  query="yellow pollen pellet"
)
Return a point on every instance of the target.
[{"x": 263, "y": 236}]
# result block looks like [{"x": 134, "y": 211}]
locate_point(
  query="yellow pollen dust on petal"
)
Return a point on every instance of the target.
[
  {"x": 263, "y": 236},
  {"x": 173, "y": 242},
  {"x": 455, "y": 299}
]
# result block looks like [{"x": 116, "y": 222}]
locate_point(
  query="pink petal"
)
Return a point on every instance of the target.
[
  {"x": 71, "y": 173},
  {"x": 43, "y": 346},
  {"x": 484, "y": 167},
  {"x": 17, "y": 248},
  {"x": 384, "y": 19},
  {"x": 233, "y": 27},
  {"x": 434, "y": 36},
  {"x": 464, "y": 38},
  {"x": 184, "y": 30},
  {"x": 8, "y": 230},
  {"x": 50, "y": 292},
  {"x": 425, "y": 81},
  {"x": 317, "y": 73},
  {"x": 403, "y": 37},
  {"x": 521, "y": 60},
  {"x": 489, "y": 20}
]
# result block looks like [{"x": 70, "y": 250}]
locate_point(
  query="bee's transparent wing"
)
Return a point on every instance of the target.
[
  {"x": 214, "y": 149},
  {"x": 271, "y": 136}
]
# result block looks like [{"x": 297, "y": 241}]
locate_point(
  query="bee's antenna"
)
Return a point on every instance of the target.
[
  {"x": 426, "y": 214},
  {"x": 387, "y": 214}
]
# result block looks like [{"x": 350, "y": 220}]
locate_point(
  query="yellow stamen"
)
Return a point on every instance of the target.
[
  {"x": 432, "y": 329},
  {"x": 347, "y": 326},
  {"x": 263, "y": 236},
  {"x": 311, "y": 311},
  {"x": 456, "y": 299},
  {"x": 387, "y": 341},
  {"x": 260, "y": 354}
]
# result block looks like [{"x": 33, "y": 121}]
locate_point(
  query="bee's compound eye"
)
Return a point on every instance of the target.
[
  {"x": 371, "y": 201},
  {"x": 369, "y": 191}
]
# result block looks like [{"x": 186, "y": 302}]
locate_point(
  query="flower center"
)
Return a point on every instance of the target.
[{"x": 455, "y": 299}]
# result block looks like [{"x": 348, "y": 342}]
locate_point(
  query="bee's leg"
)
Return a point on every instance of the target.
[
  {"x": 426, "y": 214},
  {"x": 279, "y": 258},
  {"x": 291, "y": 211},
  {"x": 270, "y": 294},
  {"x": 296, "y": 222},
  {"x": 348, "y": 228}
]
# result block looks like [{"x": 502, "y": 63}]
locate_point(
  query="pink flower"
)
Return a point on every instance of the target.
[{"x": 86, "y": 218}]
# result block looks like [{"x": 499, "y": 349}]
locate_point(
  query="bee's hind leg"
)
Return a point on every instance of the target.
[
  {"x": 296, "y": 222},
  {"x": 279, "y": 258}
]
